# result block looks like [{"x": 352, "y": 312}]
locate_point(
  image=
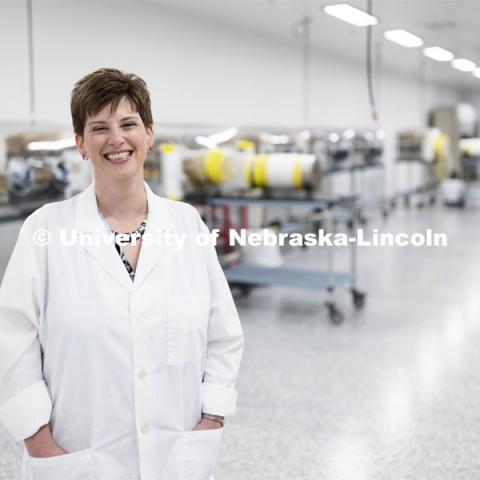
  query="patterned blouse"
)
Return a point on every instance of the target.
[{"x": 137, "y": 233}]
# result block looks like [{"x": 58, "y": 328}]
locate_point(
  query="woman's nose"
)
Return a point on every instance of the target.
[{"x": 115, "y": 138}]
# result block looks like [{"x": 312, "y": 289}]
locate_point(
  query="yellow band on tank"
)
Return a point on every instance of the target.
[
  {"x": 260, "y": 174},
  {"x": 248, "y": 171},
  {"x": 168, "y": 148},
  {"x": 440, "y": 145},
  {"x": 213, "y": 166},
  {"x": 245, "y": 145},
  {"x": 297, "y": 174},
  {"x": 440, "y": 149}
]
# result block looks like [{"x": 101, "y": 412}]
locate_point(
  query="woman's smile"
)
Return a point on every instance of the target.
[{"x": 119, "y": 157}]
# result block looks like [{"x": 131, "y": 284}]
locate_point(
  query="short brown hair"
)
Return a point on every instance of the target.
[{"x": 108, "y": 86}]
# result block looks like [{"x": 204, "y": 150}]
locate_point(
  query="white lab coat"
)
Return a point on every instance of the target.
[{"x": 122, "y": 370}]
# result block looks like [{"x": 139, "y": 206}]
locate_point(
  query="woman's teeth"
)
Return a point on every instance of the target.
[{"x": 118, "y": 155}]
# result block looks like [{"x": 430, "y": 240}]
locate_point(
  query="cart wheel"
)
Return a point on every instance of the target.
[
  {"x": 350, "y": 224},
  {"x": 433, "y": 200},
  {"x": 358, "y": 298},
  {"x": 420, "y": 205},
  {"x": 334, "y": 314},
  {"x": 384, "y": 213},
  {"x": 363, "y": 220},
  {"x": 393, "y": 204}
]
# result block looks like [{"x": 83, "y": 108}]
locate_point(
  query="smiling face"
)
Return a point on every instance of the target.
[{"x": 116, "y": 142}]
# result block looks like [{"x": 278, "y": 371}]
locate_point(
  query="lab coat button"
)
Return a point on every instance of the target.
[
  {"x": 142, "y": 374},
  {"x": 145, "y": 428}
]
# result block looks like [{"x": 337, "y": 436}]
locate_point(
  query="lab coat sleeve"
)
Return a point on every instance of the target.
[
  {"x": 25, "y": 403},
  {"x": 224, "y": 340}
]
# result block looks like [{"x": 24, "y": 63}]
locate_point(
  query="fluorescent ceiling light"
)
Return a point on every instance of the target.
[
  {"x": 403, "y": 38},
  {"x": 380, "y": 134},
  {"x": 350, "y": 14},
  {"x": 54, "y": 145},
  {"x": 213, "y": 140},
  {"x": 463, "y": 65},
  {"x": 476, "y": 73},
  {"x": 334, "y": 137},
  {"x": 274, "y": 139},
  {"x": 439, "y": 54}
]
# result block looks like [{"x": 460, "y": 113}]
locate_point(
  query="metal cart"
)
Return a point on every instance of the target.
[
  {"x": 371, "y": 199},
  {"x": 249, "y": 276},
  {"x": 425, "y": 191}
]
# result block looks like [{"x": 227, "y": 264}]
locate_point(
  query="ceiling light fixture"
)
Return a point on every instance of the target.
[
  {"x": 213, "y": 140},
  {"x": 439, "y": 54},
  {"x": 54, "y": 145},
  {"x": 274, "y": 139},
  {"x": 403, "y": 38},
  {"x": 464, "y": 65},
  {"x": 350, "y": 14}
]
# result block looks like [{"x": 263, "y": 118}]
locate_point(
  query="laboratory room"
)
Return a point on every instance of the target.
[{"x": 239, "y": 240}]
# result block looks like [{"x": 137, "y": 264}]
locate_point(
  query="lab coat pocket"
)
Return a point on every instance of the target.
[
  {"x": 201, "y": 451},
  {"x": 187, "y": 329},
  {"x": 70, "y": 466}
]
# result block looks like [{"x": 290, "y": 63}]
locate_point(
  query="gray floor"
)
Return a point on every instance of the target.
[{"x": 392, "y": 393}]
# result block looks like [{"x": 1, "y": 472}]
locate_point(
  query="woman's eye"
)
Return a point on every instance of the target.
[{"x": 125, "y": 125}]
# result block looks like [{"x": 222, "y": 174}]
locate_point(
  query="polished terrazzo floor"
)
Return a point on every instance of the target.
[{"x": 391, "y": 393}]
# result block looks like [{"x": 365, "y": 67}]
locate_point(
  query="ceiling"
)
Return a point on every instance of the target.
[{"x": 451, "y": 24}]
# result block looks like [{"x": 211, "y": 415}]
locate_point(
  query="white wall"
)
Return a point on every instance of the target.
[{"x": 197, "y": 71}]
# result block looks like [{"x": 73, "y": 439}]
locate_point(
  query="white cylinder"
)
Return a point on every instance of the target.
[
  {"x": 171, "y": 168},
  {"x": 297, "y": 170},
  {"x": 263, "y": 254}
]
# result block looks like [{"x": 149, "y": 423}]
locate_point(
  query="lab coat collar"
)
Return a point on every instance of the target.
[{"x": 88, "y": 220}]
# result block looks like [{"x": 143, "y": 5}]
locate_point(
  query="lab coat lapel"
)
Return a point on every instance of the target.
[
  {"x": 88, "y": 221},
  {"x": 159, "y": 222}
]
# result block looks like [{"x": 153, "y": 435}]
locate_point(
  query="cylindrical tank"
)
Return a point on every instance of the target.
[{"x": 283, "y": 170}]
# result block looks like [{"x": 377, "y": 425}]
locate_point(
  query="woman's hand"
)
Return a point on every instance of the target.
[
  {"x": 42, "y": 445},
  {"x": 206, "y": 424},
  {"x": 53, "y": 451}
]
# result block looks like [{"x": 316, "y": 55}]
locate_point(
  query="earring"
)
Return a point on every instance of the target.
[
  {"x": 149, "y": 148},
  {"x": 85, "y": 157}
]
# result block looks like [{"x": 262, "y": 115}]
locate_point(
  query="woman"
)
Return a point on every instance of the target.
[{"x": 117, "y": 359}]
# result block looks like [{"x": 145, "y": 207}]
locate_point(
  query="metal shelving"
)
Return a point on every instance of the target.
[{"x": 247, "y": 277}]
